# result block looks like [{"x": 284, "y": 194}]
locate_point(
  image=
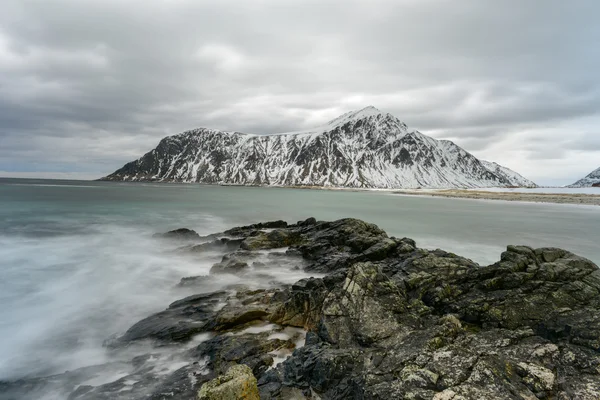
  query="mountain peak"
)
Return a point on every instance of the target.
[
  {"x": 592, "y": 179},
  {"x": 369, "y": 111}
]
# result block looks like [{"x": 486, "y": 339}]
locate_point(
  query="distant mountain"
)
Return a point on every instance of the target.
[
  {"x": 593, "y": 179},
  {"x": 360, "y": 149},
  {"x": 515, "y": 178}
]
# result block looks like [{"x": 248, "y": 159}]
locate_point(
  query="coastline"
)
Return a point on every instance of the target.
[
  {"x": 554, "y": 198},
  {"x": 550, "y": 198},
  {"x": 291, "y": 301},
  {"x": 482, "y": 194}
]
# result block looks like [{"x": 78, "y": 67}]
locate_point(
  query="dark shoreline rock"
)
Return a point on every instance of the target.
[
  {"x": 179, "y": 234},
  {"x": 385, "y": 319}
]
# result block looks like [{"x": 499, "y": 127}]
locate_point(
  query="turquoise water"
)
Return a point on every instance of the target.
[{"x": 78, "y": 264}]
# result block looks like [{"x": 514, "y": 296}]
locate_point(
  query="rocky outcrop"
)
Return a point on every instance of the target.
[
  {"x": 237, "y": 384},
  {"x": 181, "y": 233},
  {"x": 379, "y": 319}
]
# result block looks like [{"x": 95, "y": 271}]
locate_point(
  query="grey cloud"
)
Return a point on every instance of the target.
[
  {"x": 588, "y": 141},
  {"x": 103, "y": 81}
]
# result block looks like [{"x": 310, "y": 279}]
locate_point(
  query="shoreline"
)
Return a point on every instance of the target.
[
  {"x": 301, "y": 298},
  {"x": 551, "y": 198},
  {"x": 469, "y": 194}
]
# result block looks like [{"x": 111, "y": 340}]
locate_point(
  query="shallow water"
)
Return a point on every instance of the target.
[{"x": 78, "y": 263}]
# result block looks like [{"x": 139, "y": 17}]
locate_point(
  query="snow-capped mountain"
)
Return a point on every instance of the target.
[
  {"x": 360, "y": 149},
  {"x": 592, "y": 179},
  {"x": 515, "y": 178}
]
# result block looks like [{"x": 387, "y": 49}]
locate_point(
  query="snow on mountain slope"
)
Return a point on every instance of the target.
[
  {"x": 515, "y": 178},
  {"x": 360, "y": 149},
  {"x": 592, "y": 179}
]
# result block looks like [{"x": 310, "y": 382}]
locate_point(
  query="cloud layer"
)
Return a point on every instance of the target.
[{"x": 86, "y": 85}]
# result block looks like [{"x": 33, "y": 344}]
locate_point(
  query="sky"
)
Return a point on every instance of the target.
[{"x": 88, "y": 85}]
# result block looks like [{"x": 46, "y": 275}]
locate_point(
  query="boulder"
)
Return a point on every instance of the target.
[{"x": 237, "y": 384}]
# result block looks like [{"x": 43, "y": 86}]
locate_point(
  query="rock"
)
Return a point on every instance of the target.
[
  {"x": 275, "y": 239},
  {"x": 234, "y": 263},
  {"x": 363, "y": 311},
  {"x": 540, "y": 379},
  {"x": 379, "y": 250},
  {"x": 230, "y": 317},
  {"x": 237, "y": 384},
  {"x": 179, "y": 234},
  {"x": 247, "y": 230},
  {"x": 307, "y": 222},
  {"x": 251, "y": 349},
  {"x": 384, "y": 319},
  {"x": 301, "y": 305},
  {"x": 192, "y": 280},
  {"x": 222, "y": 244},
  {"x": 183, "y": 319}
]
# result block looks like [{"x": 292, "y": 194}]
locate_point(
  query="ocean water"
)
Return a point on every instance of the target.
[{"x": 78, "y": 263}]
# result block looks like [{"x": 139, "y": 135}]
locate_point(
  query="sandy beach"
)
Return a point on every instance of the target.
[{"x": 559, "y": 198}]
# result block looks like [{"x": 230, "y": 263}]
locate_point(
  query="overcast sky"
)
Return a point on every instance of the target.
[{"x": 87, "y": 85}]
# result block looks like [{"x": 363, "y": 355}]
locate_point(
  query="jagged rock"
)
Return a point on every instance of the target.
[
  {"x": 384, "y": 320},
  {"x": 253, "y": 350},
  {"x": 183, "y": 319},
  {"x": 192, "y": 280},
  {"x": 362, "y": 312},
  {"x": 246, "y": 230},
  {"x": 237, "y": 384},
  {"x": 233, "y": 263},
  {"x": 301, "y": 305},
  {"x": 307, "y": 222},
  {"x": 222, "y": 244},
  {"x": 271, "y": 240},
  {"x": 390, "y": 320}
]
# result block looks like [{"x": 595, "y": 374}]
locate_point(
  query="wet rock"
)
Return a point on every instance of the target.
[
  {"x": 231, "y": 317},
  {"x": 247, "y": 230},
  {"x": 271, "y": 240},
  {"x": 192, "y": 280},
  {"x": 179, "y": 234},
  {"x": 222, "y": 244},
  {"x": 251, "y": 349},
  {"x": 183, "y": 319},
  {"x": 307, "y": 222},
  {"x": 384, "y": 320},
  {"x": 237, "y": 384}
]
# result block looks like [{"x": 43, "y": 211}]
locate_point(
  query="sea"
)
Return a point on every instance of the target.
[{"x": 78, "y": 263}]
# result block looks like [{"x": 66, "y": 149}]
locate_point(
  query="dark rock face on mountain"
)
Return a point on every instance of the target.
[
  {"x": 361, "y": 149},
  {"x": 380, "y": 319},
  {"x": 590, "y": 180}
]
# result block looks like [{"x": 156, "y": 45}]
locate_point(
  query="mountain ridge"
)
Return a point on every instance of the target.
[
  {"x": 591, "y": 179},
  {"x": 360, "y": 149}
]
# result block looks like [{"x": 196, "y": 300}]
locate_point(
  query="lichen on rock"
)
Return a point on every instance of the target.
[{"x": 237, "y": 384}]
